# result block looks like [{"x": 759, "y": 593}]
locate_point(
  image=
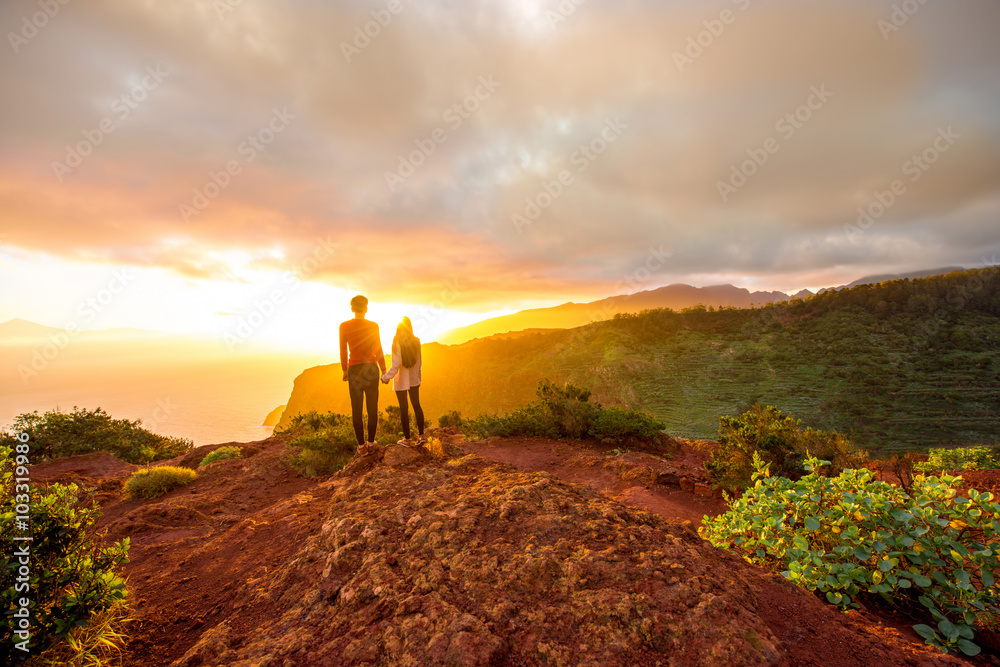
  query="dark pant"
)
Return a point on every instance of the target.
[
  {"x": 404, "y": 410},
  {"x": 362, "y": 383}
]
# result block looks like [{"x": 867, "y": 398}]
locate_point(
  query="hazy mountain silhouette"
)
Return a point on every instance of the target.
[
  {"x": 18, "y": 329},
  {"x": 569, "y": 315}
]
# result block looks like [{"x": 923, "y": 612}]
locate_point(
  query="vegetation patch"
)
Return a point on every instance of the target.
[
  {"x": 222, "y": 454},
  {"x": 959, "y": 458},
  {"x": 450, "y": 419},
  {"x": 845, "y": 536},
  {"x": 78, "y": 599},
  {"x": 323, "y": 443},
  {"x": 153, "y": 482},
  {"x": 565, "y": 412},
  {"x": 779, "y": 441},
  {"x": 56, "y": 434}
]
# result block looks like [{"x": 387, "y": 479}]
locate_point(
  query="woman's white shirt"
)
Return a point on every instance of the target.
[{"x": 406, "y": 378}]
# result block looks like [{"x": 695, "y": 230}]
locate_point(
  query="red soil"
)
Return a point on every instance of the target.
[{"x": 197, "y": 550}]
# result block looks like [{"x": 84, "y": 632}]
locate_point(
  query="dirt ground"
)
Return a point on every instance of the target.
[{"x": 199, "y": 552}]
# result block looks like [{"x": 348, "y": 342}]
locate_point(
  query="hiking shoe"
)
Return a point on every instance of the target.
[
  {"x": 421, "y": 440},
  {"x": 404, "y": 442}
]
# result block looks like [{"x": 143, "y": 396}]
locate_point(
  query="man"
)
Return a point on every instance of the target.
[{"x": 362, "y": 369}]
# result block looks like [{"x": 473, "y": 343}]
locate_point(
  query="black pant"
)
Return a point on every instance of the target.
[
  {"x": 362, "y": 383},
  {"x": 404, "y": 410}
]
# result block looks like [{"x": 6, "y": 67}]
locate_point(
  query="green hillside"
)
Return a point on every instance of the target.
[{"x": 901, "y": 364}]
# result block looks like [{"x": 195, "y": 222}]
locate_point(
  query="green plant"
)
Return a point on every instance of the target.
[
  {"x": 323, "y": 443},
  {"x": 153, "y": 482},
  {"x": 850, "y": 535},
  {"x": 77, "y": 598},
  {"x": 222, "y": 454},
  {"x": 619, "y": 424},
  {"x": 564, "y": 412},
  {"x": 778, "y": 440},
  {"x": 958, "y": 458},
  {"x": 56, "y": 434},
  {"x": 450, "y": 419}
]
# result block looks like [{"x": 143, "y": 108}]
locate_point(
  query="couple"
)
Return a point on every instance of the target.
[{"x": 361, "y": 372}]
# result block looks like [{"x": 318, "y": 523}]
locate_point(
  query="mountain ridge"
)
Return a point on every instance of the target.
[
  {"x": 676, "y": 296},
  {"x": 571, "y": 314}
]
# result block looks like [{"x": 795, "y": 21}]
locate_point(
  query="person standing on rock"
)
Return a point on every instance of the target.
[
  {"x": 360, "y": 337},
  {"x": 406, "y": 363}
]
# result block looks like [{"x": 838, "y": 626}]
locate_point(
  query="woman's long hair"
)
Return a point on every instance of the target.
[{"x": 409, "y": 345}]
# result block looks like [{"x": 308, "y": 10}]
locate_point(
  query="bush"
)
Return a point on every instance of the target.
[
  {"x": 564, "y": 412},
  {"x": 848, "y": 535},
  {"x": 56, "y": 434},
  {"x": 222, "y": 454},
  {"x": 78, "y": 599},
  {"x": 324, "y": 443},
  {"x": 620, "y": 424},
  {"x": 450, "y": 419},
  {"x": 153, "y": 482},
  {"x": 777, "y": 439},
  {"x": 960, "y": 458}
]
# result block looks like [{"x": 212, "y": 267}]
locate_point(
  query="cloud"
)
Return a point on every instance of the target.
[{"x": 357, "y": 116}]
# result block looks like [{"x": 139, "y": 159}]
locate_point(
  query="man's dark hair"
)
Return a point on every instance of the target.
[{"x": 359, "y": 304}]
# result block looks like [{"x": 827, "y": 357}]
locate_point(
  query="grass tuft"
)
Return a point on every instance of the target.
[{"x": 154, "y": 482}]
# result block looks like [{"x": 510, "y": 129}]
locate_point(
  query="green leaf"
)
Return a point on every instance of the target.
[
  {"x": 812, "y": 524},
  {"x": 987, "y": 577},
  {"x": 968, "y": 648},
  {"x": 862, "y": 553},
  {"x": 948, "y": 629},
  {"x": 885, "y": 565},
  {"x": 925, "y": 631},
  {"x": 901, "y": 515}
]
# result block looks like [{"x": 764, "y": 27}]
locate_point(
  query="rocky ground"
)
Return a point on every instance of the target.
[{"x": 498, "y": 552}]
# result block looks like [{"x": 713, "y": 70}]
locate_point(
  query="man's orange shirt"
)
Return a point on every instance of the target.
[{"x": 361, "y": 336}]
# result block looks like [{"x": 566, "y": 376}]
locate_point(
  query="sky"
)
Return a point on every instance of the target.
[{"x": 241, "y": 168}]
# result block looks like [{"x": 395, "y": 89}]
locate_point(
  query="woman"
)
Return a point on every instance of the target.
[{"x": 406, "y": 362}]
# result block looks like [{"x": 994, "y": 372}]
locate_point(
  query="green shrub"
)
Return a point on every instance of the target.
[
  {"x": 779, "y": 441},
  {"x": 564, "y": 412},
  {"x": 847, "y": 535},
  {"x": 621, "y": 424},
  {"x": 222, "y": 454},
  {"x": 56, "y": 434},
  {"x": 450, "y": 419},
  {"x": 153, "y": 482},
  {"x": 78, "y": 600},
  {"x": 959, "y": 458},
  {"x": 323, "y": 443}
]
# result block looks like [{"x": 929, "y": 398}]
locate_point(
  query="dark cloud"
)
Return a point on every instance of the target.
[{"x": 555, "y": 89}]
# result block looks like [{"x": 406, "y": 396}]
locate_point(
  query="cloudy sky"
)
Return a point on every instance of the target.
[{"x": 189, "y": 162}]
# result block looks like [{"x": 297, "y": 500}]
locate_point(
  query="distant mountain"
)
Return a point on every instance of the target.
[
  {"x": 570, "y": 315},
  {"x": 19, "y": 329},
  {"x": 872, "y": 280}
]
